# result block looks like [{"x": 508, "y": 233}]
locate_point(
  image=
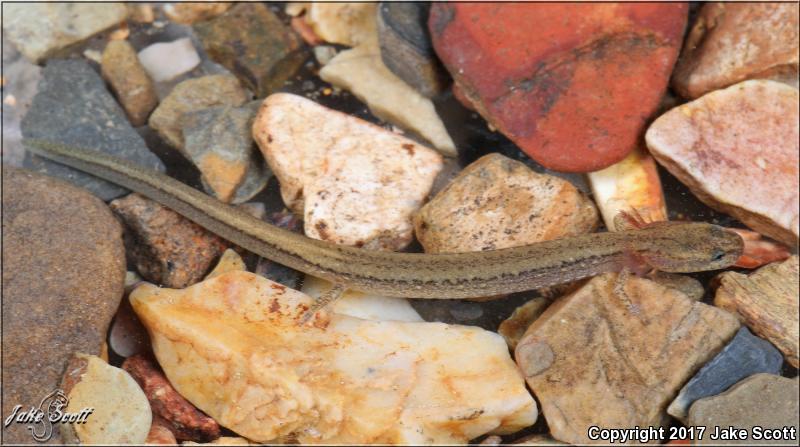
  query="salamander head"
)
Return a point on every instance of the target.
[{"x": 691, "y": 247}]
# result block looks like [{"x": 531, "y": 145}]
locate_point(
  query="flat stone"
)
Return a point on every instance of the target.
[
  {"x": 168, "y": 60},
  {"x": 360, "y": 166},
  {"x": 762, "y": 400},
  {"x": 738, "y": 150},
  {"x": 40, "y": 30},
  {"x": 61, "y": 286},
  {"x": 189, "y": 13},
  {"x": 497, "y": 202},
  {"x": 219, "y": 141},
  {"x": 166, "y": 248},
  {"x": 615, "y": 353},
  {"x": 129, "y": 81},
  {"x": 730, "y": 43},
  {"x": 338, "y": 379},
  {"x": 744, "y": 356},
  {"x": 192, "y": 95},
  {"x": 572, "y": 85},
  {"x": 767, "y": 302},
  {"x": 253, "y": 43},
  {"x": 72, "y": 106},
  {"x": 406, "y": 47}
]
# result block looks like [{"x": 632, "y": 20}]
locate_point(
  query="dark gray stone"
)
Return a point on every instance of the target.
[
  {"x": 406, "y": 47},
  {"x": 744, "y": 356},
  {"x": 73, "y": 107}
]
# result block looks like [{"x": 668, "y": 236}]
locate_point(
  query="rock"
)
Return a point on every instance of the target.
[
  {"x": 229, "y": 261},
  {"x": 362, "y": 305},
  {"x": 576, "y": 90},
  {"x": 189, "y": 13},
  {"x": 253, "y": 43},
  {"x": 744, "y": 356},
  {"x": 615, "y": 353},
  {"x": 767, "y": 302},
  {"x": 361, "y": 71},
  {"x": 185, "y": 421},
  {"x": 538, "y": 440},
  {"x": 278, "y": 272},
  {"x": 167, "y": 248},
  {"x": 730, "y": 43},
  {"x": 73, "y": 107},
  {"x": 40, "y": 30},
  {"x": 737, "y": 150},
  {"x": 168, "y": 60},
  {"x": 338, "y": 379},
  {"x": 304, "y": 30},
  {"x": 692, "y": 288},
  {"x": 762, "y": 400},
  {"x": 360, "y": 166},
  {"x": 131, "y": 84},
  {"x": 632, "y": 186},
  {"x": 127, "y": 336},
  {"x": 406, "y": 48},
  {"x": 219, "y": 141},
  {"x": 344, "y": 23},
  {"x": 140, "y": 12},
  {"x": 160, "y": 433},
  {"x": 496, "y": 202},
  {"x": 223, "y": 440},
  {"x": 757, "y": 251},
  {"x": 192, "y": 95},
  {"x": 61, "y": 287},
  {"x": 324, "y": 54},
  {"x": 514, "y": 327},
  {"x": 121, "y": 413}
]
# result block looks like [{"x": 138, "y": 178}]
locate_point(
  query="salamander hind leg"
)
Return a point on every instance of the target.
[{"x": 325, "y": 300}]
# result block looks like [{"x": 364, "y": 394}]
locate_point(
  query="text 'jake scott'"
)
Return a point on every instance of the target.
[{"x": 697, "y": 433}]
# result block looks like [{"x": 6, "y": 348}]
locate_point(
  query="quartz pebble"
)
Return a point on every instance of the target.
[
  {"x": 625, "y": 342},
  {"x": 168, "y": 60},
  {"x": 131, "y": 84},
  {"x": 767, "y": 302},
  {"x": 738, "y": 150},
  {"x": 188, "y": 13},
  {"x": 496, "y": 202},
  {"x": 167, "y": 248},
  {"x": 360, "y": 167},
  {"x": 345, "y": 23},
  {"x": 60, "y": 286},
  {"x": 730, "y": 43},
  {"x": 40, "y": 30},
  {"x": 232, "y": 345}
]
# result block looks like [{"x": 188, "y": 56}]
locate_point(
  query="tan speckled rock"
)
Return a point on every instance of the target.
[
  {"x": 615, "y": 353},
  {"x": 731, "y": 42},
  {"x": 191, "y": 12},
  {"x": 738, "y": 150},
  {"x": 767, "y": 302},
  {"x": 131, "y": 84},
  {"x": 233, "y": 347},
  {"x": 355, "y": 183},
  {"x": 63, "y": 275},
  {"x": 496, "y": 203}
]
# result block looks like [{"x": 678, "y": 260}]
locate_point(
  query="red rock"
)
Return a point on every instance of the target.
[{"x": 572, "y": 85}]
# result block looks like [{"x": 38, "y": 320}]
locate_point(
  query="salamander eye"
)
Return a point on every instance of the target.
[{"x": 717, "y": 255}]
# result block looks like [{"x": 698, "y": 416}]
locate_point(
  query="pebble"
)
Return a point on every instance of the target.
[
  {"x": 129, "y": 81},
  {"x": 72, "y": 106},
  {"x": 738, "y": 151},
  {"x": 166, "y": 248},
  {"x": 730, "y": 43},
  {"x": 61, "y": 287},
  {"x": 361, "y": 71},
  {"x": 168, "y": 60},
  {"x": 497, "y": 202},
  {"x": 185, "y": 421},
  {"x": 762, "y": 400},
  {"x": 575, "y": 90},
  {"x": 160, "y": 433},
  {"x": 127, "y": 336},
  {"x": 121, "y": 413},
  {"x": 615, "y": 353},
  {"x": 219, "y": 141},
  {"x": 189, "y": 13},
  {"x": 433, "y": 383},
  {"x": 406, "y": 47},
  {"x": 40, "y": 30},
  {"x": 359, "y": 166},
  {"x": 253, "y": 43},
  {"x": 192, "y": 95},
  {"x": 744, "y": 356},
  {"x": 767, "y": 302},
  {"x": 229, "y": 261},
  {"x": 362, "y": 305},
  {"x": 347, "y": 23},
  {"x": 513, "y": 328}
]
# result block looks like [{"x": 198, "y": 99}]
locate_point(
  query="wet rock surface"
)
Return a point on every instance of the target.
[
  {"x": 129, "y": 81},
  {"x": 72, "y": 106},
  {"x": 65, "y": 284}
]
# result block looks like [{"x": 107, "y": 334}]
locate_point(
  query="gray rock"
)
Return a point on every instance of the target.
[
  {"x": 744, "y": 356},
  {"x": 72, "y": 106},
  {"x": 406, "y": 47}
]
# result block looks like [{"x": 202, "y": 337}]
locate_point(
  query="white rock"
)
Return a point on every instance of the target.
[
  {"x": 362, "y": 305},
  {"x": 167, "y": 60},
  {"x": 355, "y": 183}
]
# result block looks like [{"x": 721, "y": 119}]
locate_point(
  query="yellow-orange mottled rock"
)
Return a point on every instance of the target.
[{"x": 222, "y": 175}]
